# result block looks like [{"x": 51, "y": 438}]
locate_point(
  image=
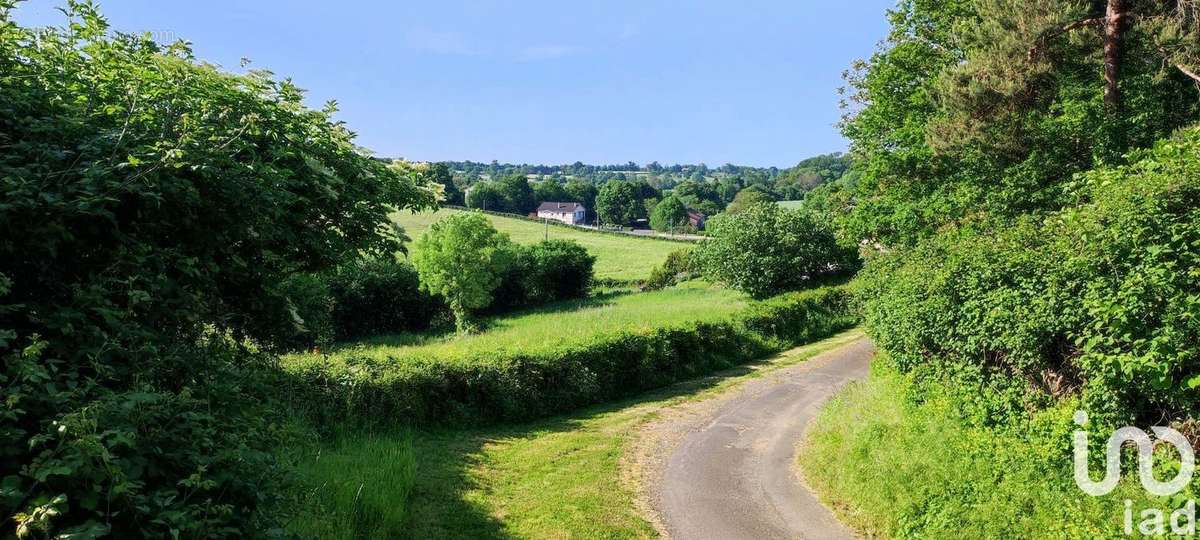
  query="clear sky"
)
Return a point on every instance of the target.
[{"x": 605, "y": 81}]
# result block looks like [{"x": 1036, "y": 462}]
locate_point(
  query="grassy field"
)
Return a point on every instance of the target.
[
  {"x": 558, "y": 324},
  {"x": 624, "y": 258},
  {"x": 564, "y": 477}
]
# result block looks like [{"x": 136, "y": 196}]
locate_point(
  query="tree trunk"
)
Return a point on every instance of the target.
[{"x": 1114, "y": 26}]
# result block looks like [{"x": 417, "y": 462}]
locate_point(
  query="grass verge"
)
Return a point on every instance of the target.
[
  {"x": 561, "y": 477},
  {"x": 895, "y": 468}
]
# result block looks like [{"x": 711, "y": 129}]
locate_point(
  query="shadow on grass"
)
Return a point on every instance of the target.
[{"x": 448, "y": 500}]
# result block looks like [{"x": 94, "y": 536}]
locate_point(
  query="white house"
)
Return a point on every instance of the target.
[{"x": 566, "y": 212}]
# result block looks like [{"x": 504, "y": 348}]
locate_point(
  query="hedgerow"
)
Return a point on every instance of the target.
[
  {"x": 150, "y": 207},
  {"x": 492, "y": 387},
  {"x": 1102, "y": 299}
]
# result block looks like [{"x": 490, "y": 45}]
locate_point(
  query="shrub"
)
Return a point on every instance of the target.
[
  {"x": 679, "y": 266},
  {"x": 150, "y": 207},
  {"x": 556, "y": 270},
  {"x": 381, "y": 295},
  {"x": 512, "y": 385},
  {"x": 765, "y": 250},
  {"x": 310, "y": 315},
  {"x": 1099, "y": 298}
]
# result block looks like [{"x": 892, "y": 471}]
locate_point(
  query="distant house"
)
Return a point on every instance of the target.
[
  {"x": 696, "y": 219},
  {"x": 566, "y": 212}
]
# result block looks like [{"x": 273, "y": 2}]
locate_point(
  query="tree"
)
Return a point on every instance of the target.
[
  {"x": 152, "y": 206},
  {"x": 617, "y": 203},
  {"x": 517, "y": 194},
  {"x": 702, "y": 196},
  {"x": 462, "y": 258},
  {"x": 584, "y": 193},
  {"x": 486, "y": 196},
  {"x": 747, "y": 198},
  {"x": 669, "y": 214},
  {"x": 439, "y": 173},
  {"x": 767, "y": 250},
  {"x": 549, "y": 191}
]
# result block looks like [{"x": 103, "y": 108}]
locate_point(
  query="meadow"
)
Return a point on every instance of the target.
[
  {"x": 618, "y": 257},
  {"x": 551, "y": 327}
]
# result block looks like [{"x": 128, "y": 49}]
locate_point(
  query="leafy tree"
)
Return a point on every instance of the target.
[
  {"x": 152, "y": 207},
  {"x": 462, "y": 258},
  {"x": 702, "y": 196},
  {"x": 747, "y": 198},
  {"x": 439, "y": 173},
  {"x": 549, "y": 191},
  {"x": 617, "y": 203},
  {"x": 486, "y": 196},
  {"x": 766, "y": 250},
  {"x": 579, "y": 191},
  {"x": 517, "y": 193},
  {"x": 669, "y": 214},
  {"x": 582, "y": 192},
  {"x": 991, "y": 107}
]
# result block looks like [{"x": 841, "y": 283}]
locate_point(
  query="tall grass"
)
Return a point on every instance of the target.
[
  {"x": 896, "y": 468},
  {"x": 354, "y": 487}
]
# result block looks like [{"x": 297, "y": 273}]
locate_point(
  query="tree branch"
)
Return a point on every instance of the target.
[
  {"x": 1188, "y": 72},
  {"x": 1047, "y": 36}
]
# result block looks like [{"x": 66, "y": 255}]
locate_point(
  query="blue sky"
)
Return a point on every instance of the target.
[{"x": 747, "y": 82}]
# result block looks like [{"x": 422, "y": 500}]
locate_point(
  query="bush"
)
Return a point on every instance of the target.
[
  {"x": 150, "y": 208},
  {"x": 381, "y": 295},
  {"x": 766, "y": 249},
  {"x": 678, "y": 267},
  {"x": 311, "y": 306},
  {"x": 512, "y": 385},
  {"x": 1100, "y": 298},
  {"x": 556, "y": 270}
]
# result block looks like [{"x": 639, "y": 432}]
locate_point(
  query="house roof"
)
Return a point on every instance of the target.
[{"x": 560, "y": 207}]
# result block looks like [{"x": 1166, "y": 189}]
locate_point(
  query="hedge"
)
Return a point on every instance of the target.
[
  {"x": 1100, "y": 299},
  {"x": 510, "y": 387}
]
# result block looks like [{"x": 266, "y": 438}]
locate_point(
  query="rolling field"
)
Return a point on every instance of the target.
[
  {"x": 558, "y": 324},
  {"x": 617, "y": 257}
]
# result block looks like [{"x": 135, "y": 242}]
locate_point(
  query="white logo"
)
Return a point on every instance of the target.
[{"x": 1145, "y": 447}]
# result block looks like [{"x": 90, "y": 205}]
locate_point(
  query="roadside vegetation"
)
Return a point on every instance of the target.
[
  {"x": 561, "y": 477},
  {"x": 1029, "y": 209}
]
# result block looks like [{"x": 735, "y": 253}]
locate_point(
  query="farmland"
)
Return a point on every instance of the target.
[
  {"x": 618, "y": 257},
  {"x": 554, "y": 326}
]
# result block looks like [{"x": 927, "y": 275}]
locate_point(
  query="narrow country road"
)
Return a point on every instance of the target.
[{"x": 733, "y": 475}]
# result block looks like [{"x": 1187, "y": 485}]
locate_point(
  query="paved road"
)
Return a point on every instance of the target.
[{"x": 733, "y": 474}]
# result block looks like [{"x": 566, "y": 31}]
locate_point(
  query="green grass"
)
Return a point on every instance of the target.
[
  {"x": 553, "y": 326},
  {"x": 565, "y": 477},
  {"x": 622, "y": 258},
  {"x": 355, "y": 487},
  {"x": 895, "y": 469}
]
